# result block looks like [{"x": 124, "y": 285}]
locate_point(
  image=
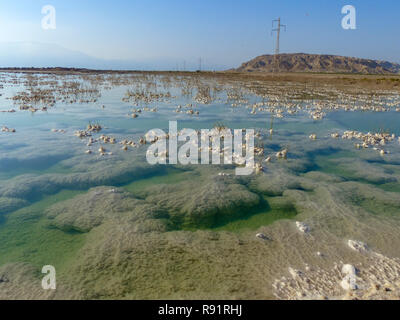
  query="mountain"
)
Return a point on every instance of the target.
[
  {"x": 302, "y": 62},
  {"x": 41, "y": 55},
  {"x": 46, "y": 55}
]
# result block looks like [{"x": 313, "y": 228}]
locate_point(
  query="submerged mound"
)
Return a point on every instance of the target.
[
  {"x": 89, "y": 210},
  {"x": 32, "y": 187},
  {"x": 190, "y": 204},
  {"x": 358, "y": 169},
  {"x": 11, "y": 204},
  {"x": 372, "y": 199},
  {"x": 274, "y": 183}
]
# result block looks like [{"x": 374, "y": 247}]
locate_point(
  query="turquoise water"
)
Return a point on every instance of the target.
[{"x": 36, "y": 151}]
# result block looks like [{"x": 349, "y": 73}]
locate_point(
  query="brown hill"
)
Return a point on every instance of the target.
[{"x": 302, "y": 62}]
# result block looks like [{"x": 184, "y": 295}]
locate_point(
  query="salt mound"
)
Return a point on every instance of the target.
[
  {"x": 296, "y": 274},
  {"x": 349, "y": 282},
  {"x": 349, "y": 269},
  {"x": 261, "y": 236},
  {"x": 358, "y": 246},
  {"x": 303, "y": 227}
]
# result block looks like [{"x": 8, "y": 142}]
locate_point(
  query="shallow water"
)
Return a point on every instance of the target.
[
  {"x": 40, "y": 168},
  {"x": 34, "y": 149},
  {"x": 26, "y": 237},
  {"x": 253, "y": 220}
]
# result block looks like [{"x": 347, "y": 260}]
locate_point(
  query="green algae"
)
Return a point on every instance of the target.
[
  {"x": 270, "y": 210},
  {"x": 171, "y": 176},
  {"x": 326, "y": 164},
  {"x": 234, "y": 220},
  {"x": 25, "y": 236},
  {"x": 392, "y": 187},
  {"x": 251, "y": 222}
]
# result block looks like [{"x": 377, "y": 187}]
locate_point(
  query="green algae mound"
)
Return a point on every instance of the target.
[
  {"x": 99, "y": 205},
  {"x": 192, "y": 205}
]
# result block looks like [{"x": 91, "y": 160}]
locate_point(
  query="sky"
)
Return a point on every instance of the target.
[{"x": 166, "y": 34}]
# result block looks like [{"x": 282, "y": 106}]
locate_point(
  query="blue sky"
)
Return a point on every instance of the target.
[{"x": 224, "y": 33}]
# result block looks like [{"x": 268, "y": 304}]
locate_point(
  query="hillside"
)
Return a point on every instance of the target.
[{"x": 302, "y": 62}]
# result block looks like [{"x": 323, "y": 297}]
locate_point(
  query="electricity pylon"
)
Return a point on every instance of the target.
[{"x": 278, "y": 32}]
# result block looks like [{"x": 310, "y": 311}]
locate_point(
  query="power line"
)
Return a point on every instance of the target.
[{"x": 278, "y": 32}]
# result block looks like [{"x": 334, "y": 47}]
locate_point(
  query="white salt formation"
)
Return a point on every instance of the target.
[
  {"x": 303, "y": 227},
  {"x": 378, "y": 279},
  {"x": 357, "y": 246}
]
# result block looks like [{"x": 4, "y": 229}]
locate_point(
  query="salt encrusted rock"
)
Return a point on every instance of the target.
[
  {"x": 349, "y": 269},
  {"x": 295, "y": 273},
  {"x": 261, "y": 236},
  {"x": 349, "y": 282},
  {"x": 223, "y": 174},
  {"x": 303, "y": 227},
  {"x": 357, "y": 246}
]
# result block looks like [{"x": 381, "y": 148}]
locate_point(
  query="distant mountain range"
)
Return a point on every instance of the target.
[
  {"x": 42, "y": 55},
  {"x": 47, "y": 55},
  {"x": 302, "y": 62}
]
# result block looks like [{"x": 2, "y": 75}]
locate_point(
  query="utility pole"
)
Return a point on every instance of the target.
[
  {"x": 278, "y": 32},
  {"x": 199, "y": 64}
]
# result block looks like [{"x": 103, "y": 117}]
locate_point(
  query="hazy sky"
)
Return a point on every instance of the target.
[{"x": 222, "y": 32}]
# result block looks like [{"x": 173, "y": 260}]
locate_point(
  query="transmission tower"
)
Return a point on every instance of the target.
[{"x": 278, "y": 32}]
